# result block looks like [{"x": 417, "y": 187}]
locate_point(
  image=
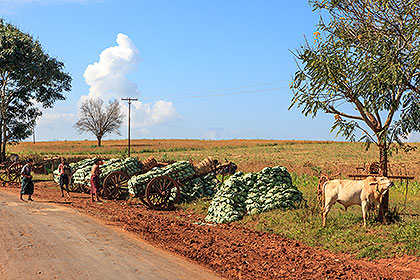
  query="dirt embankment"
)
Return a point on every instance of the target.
[{"x": 231, "y": 251}]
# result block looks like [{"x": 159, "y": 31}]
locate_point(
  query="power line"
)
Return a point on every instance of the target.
[
  {"x": 234, "y": 93},
  {"x": 224, "y": 93},
  {"x": 241, "y": 87}
]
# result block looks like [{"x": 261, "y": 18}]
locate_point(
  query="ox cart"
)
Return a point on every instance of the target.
[
  {"x": 10, "y": 171},
  {"x": 162, "y": 192}
]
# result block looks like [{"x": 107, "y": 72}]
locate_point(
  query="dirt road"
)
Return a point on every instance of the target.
[{"x": 40, "y": 240}]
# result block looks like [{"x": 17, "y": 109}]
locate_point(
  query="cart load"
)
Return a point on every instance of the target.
[
  {"x": 74, "y": 166},
  {"x": 204, "y": 186},
  {"x": 82, "y": 169},
  {"x": 253, "y": 193},
  {"x": 178, "y": 171}
]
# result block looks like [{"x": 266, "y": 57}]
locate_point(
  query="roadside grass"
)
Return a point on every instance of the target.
[{"x": 344, "y": 232}]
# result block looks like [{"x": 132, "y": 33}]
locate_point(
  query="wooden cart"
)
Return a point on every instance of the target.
[
  {"x": 163, "y": 192},
  {"x": 11, "y": 171}
]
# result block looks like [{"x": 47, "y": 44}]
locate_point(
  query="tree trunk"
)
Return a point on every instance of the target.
[
  {"x": 99, "y": 141},
  {"x": 1, "y": 139},
  {"x": 3, "y": 152},
  {"x": 383, "y": 164}
]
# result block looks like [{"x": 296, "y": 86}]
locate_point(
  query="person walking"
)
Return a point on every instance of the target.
[
  {"x": 94, "y": 179},
  {"x": 65, "y": 174},
  {"x": 27, "y": 184}
]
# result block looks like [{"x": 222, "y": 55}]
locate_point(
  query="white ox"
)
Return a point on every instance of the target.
[{"x": 366, "y": 193}]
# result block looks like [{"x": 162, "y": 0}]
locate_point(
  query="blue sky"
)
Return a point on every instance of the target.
[{"x": 201, "y": 69}]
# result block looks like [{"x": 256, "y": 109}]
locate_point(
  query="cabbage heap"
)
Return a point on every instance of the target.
[
  {"x": 85, "y": 163},
  {"x": 179, "y": 170},
  {"x": 253, "y": 193},
  {"x": 82, "y": 169},
  {"x": 204, "y": 186}
]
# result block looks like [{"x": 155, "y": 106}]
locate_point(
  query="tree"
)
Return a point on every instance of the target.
[
  {"x": 98, "y": 119},
  {"x": 364, "y": 68},
  {"x": 28, "y": 76}
]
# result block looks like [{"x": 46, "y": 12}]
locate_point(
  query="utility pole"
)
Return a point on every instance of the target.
[
  {"x": 33, "y": 135},
  {"x": 129, "y": 111}
]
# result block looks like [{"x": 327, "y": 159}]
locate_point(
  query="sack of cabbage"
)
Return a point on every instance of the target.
[
  {"x": 191, "y": 189},
  {"x": 179, "y": 170},
  {"x": 82, "y": 169},
  {"x": 203, "y": 186},
  {"x": 253, "y": 193},
  {"x": 74, "y": 166}
]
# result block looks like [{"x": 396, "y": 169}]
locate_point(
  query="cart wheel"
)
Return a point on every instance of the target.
[
  {"x": 13, "y": 172},
  {"x": 3, "y": 176},
  {"x": 113, "y": 183},
  {"x": 162, "y": 193},
  {"x": 373, "y": 168},
  {"x": 143, "y": 199},
  {"x": 81, "y": 188}
]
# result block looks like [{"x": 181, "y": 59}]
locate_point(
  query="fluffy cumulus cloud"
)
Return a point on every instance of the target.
[{"x": 107, "y": 79}]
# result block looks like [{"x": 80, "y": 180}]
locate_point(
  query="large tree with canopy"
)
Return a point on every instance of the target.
[
  {"x": 29, "y": 79},
  {"x": 364, "y": 68}
]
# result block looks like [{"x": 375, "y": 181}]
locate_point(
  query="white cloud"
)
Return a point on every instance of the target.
[
  {"x": 147, "y": 115},
  {"x": 107, "y": 79},
  {"x": 55, "y": 125},
  {"x": 413, "y": 137},
  {"x": 214, "y": 133}
]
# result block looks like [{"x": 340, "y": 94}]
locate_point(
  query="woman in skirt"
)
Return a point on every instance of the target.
[{"x": 27, "y": 184}]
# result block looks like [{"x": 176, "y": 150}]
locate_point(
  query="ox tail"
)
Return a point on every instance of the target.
[{"x": 323, "y": 179}]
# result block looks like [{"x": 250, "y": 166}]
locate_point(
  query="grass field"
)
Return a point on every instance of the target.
[
  {"x": 301, "y": 157},
  {"x": 304, "y": 159}
]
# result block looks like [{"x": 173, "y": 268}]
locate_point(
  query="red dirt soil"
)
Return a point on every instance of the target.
[{"x": 230, "y": 250}]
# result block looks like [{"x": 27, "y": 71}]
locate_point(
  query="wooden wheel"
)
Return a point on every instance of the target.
[
  {"x": 373, "y": 168},
  {"x": 79, "y": 188},
  {"x": 162, "y": 193},
  {"x": 113, "y": 183},
  {"x": 3, "y": 175},
  {"x": 13, "y": 172}
]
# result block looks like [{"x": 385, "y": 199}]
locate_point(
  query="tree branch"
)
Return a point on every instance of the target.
[{"x": 331, "y": 110}]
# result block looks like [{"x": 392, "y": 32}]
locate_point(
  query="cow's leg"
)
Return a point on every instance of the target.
[
  {"x": 327, "y": 207},
  {"x": 365, "y": 209}
]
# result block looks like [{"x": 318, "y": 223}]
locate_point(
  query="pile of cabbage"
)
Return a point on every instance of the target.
[
  {"x": 204, "y": 186},
  {"x": 82, "y": 169},
  {"x": 253, "y": 193},
  {"x": 82, "y": 164},
  {"x": 179, "y": 170}
]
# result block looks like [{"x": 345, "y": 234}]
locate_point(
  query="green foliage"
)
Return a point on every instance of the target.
[
  {"x": 364, "y": 68},
  {"x": 27, "y": 75}
]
